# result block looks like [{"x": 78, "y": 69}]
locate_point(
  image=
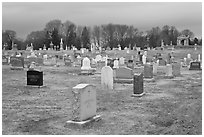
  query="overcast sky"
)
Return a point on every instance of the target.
[{"x": 27, "y": 17}]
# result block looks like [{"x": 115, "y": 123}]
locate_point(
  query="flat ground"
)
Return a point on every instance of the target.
[{"x": 170, "y": 106}]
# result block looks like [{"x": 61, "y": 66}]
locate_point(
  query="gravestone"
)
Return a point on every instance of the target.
[
  {"x": 130, "y": 64},
  {"x": 176, "y": 69},
  {"x": 162, "y": 62},
  {"x": 144, "y": 59},
  {"x": 169, "y": 72},
  {"x": 195, "y": 66},
  {"x": 116, "y": 64},
  {"x": 123, "y": 75},
  {"x": 100, "y": 65},
  {"x": 169, "y": 58},
  {"x": 4, "y": 60},
  {"x": 67, "y": 62},
  {"x": 86, "y": 66},
  {"x": 107, "y": 77},
  {"x": 199, "y": 58},
  {"x": 34, "y": 78},
  {"x": 155, "y": 67},
  {"x": 17, "y": 63},
  {"x": 138, "y": 85},
  {"x": 122, "y": 61},
  {"x": 148, "y": 71},
  {"x": 83, "y": 105},
  {"x": 98, "y": 58}
]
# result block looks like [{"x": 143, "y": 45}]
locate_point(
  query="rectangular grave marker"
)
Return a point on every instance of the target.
[
  {"x": 17, "y": 62},
  {"x": 195, "y": 66},
  {"x": 34, "y": 78},
  {"x": 138, "y": 85}
]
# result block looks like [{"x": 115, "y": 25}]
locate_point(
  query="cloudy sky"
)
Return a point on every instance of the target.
[{"x": 27, "y": 17}]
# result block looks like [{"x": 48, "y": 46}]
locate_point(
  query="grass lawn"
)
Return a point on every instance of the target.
[{"x": 170, "y": 106}]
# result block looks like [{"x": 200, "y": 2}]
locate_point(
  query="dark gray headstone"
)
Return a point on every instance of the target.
[
  {"x": 138, "y": 84},
  {"x": 34, "y": 78},
  {"x": 195, "y": 66}
]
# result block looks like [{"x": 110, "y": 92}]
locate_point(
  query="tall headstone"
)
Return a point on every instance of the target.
[
  {"x": 138, "y": 85},
  {"x": 155, "y": 67},
  {"x": 169, "y": 70},
  {"x": 199, "y": 58},
  {"x": 116, "y": 64},
  {"x": 107, "y": 77},
  {"x": 61, "y": 45},
  {"x": 83, "y": 104},
  {"x": 144, "y": 59},
  {"x": 176, "y": 69}
]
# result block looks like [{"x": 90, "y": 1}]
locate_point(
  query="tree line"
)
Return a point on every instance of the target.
[{"x": 108, "y": 35}]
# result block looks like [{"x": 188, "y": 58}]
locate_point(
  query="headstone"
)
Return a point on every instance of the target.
[
  {"x": 98, "y": 58},
  {"x": 138, "y": 85},
  {"x": 68, "y": 62},
  {"x": 148, "y": 71},
  {"x": 130, "y": 64},
  {"x": 162, "y": 62},
  {"x": 121, "y": 61},
  {"x": 189, "y": 56},
  {"x": 116, "y": 64},
  {"x": 34, "y": 78},
  {"x": 17, "y": 62},
  {"x": 176, "y": 69},
  {"x": 4, "y": 60},
  {"x": 124, "y": 73},
  {"x": 169, "y": 70},
  {"x": 195, "y": 66},
  {"x": 86, "y": 64},
  {"x": 83, "y": 102},
  {"x": 155, "y": 67},
  {"x": 107, "y": 77},
  {"x": 199, "y": 58},
  {"x": 169, "y": 58},
  {"x": 144, "y": 59}
]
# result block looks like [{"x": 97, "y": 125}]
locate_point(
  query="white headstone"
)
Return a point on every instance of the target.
[
  {"x": 155, "y": 66},
  {"x": 83, "y": 102},
  {"x": 119, "y": 48},
  {"x": 144, "y": 59},
  {"x": 169, "y": 70},
  {"x": 188, "y": 56},
  {"x": 145, "y": 53},
  {"x": 116, "y": 64},
  {"x": 199, "y": 57},
  {"x": 122, "y": 61},
  {"x": 107, "y": 77},
  {"x": 128, "y": 51},
  {"x": 86, "y": 64},
  {"x": 98, "y": 58}
]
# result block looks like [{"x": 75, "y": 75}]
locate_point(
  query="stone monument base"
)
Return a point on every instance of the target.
[
  {"x": 83, "y": 123},
  {"x": 87, "y": 71},
  {"x": 33, "y": 86},
  {"x": 149, "y": 79},
  {"x": 128, "y": 81},
  {"x": 137, "y": 95},
  {"x": 17, "y": 68}
]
